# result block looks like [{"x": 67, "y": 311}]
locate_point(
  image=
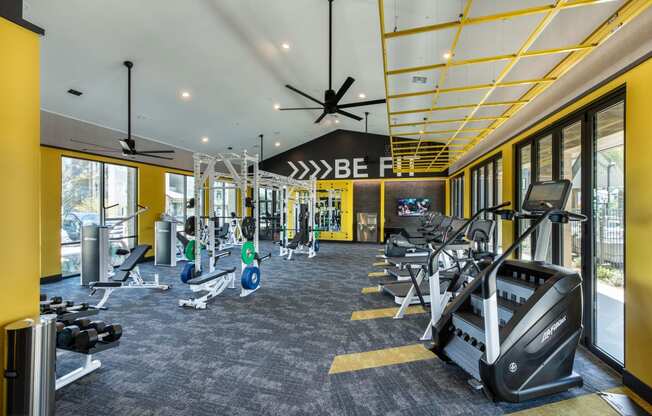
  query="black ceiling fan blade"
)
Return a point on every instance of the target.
[
  {"x": 320, "y": 118},
  {"x": 351, "y": 115},
  {"x": 301, "y": 108},
  {"x": 304, "y": 94},
  {"x": 344, "y": 88},
  {"x": 154, "y": 151},
  {"x": 157, "y": 157},
  {"x": 362, "y": 103}
]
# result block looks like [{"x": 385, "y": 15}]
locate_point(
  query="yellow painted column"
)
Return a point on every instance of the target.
[
  {"x": 20, "y": 173},
  {"x": 638, "y": 224}
]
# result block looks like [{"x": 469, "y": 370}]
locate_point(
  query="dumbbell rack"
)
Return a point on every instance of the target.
[{"x": 90, "y": 364}]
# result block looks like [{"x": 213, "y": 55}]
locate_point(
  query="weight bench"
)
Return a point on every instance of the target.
[
  {"x": 127, "y": 277},
  {"x": 213, "y": 283}
]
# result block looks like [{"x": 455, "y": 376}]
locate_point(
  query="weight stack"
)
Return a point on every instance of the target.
[{"x": 29, "y": 367}]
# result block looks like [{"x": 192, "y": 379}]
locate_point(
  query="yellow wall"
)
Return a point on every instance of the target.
[
  {"x": 19, "y": 170},
  {"x": 151, "y": 193},
  {"x": 638, "y": 207}
]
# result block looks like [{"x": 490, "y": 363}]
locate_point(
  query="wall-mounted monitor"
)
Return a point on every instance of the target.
[{"x": 413, "y": 207}]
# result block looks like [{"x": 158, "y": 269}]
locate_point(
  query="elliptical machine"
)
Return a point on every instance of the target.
[{"x": 516, "y": 326}]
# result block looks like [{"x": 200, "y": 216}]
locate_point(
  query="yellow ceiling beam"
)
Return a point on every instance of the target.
[
  {"x": 444, "y": 72},
  {"x": 445, "y": 121},
  {"x": 534, "y": 35},
  {"x": 455, "y": 107},
  {"x": 489, "y": 18},
  {"x": 623, "y": 16},
  {"x": 495, "y": 58},
  {"x": 426, "y": 133},
  {"x": 381, "y": 13},
  {"x": 470, "y": 88}
]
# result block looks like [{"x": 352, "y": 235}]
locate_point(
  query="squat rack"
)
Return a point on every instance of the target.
[
  {"x": 206, "y": 173},
  {"x": 290, "y": 189}
]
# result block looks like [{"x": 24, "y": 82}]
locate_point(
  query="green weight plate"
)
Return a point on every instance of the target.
[
  {"x": 248, "y": 253},
  {"x": 190, "y": 250}
]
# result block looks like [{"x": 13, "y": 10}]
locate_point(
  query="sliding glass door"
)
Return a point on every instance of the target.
[
  {"x": 587, "y": 148},
  {"x": 609, "y": 229},
  {"x": 487, "y": 191}
]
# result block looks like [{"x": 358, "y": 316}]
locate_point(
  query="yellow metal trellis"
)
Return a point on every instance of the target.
[{"x": 431, "y": 155}]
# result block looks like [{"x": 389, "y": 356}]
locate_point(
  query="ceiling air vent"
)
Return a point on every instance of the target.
[{"x": 419, "y": 80}]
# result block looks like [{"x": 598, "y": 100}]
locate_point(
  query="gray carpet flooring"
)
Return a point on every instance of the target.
[{"x": 269, "y": 354}]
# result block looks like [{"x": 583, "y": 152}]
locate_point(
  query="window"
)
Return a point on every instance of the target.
[
  {"x": 609, "y": 229},
  {"x": 225, "y": 200},
  {"x": 120, "y": 200},
  {"x": 524, "y": 180},
  {"x": 179, "y": 189},
  {"x": 86, "y": 187},
  {"x": 486, "y": 192},
  {"x": 457, "y": 196},
  {"x": 587, "y": 148}
]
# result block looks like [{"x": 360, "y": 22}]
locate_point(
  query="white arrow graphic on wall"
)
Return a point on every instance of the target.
[
  {"x": 329, "y": 168},
  {"x": 305, "y": 169},
  {"x": 294, "y": 169},
  {"x": 317, "y": 169}
]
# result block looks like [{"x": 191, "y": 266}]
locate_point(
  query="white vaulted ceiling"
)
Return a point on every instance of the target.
[{"x": 227, "y": 53}]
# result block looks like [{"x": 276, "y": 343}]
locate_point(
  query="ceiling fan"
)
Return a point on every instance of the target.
[
  {"x": 128, "y": 145},
  {"x": 331, "y": 103}
]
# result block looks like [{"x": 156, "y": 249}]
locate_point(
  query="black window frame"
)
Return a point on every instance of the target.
[
  {"x": 586, "y": 115},
  {"x": 487, "y": 201},
  {"x": 457, "y": 195},
  {"x": 102, "y": 195}
]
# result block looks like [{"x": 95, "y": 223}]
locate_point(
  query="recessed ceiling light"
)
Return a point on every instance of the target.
[
  {"x": 362, "y": 95},
  {"x": 185, "y": 95},
  {"x": 447, "y": 55},
  {"x": 204, "y": 139},
  {"x": 420, "y": 131},
  {"x": 337, "y": 121},
  {"x": 277, "y": 144},
  {"x": 277, "y": 106},
  {"x": 285, "y": 46}
]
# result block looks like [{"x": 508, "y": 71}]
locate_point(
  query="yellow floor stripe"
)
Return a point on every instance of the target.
[
  {"x": 379, "y": 264},
  {"x": 372, "y": 289},
  {"x": 377, "y": 274},
  {"x": 588, "y": 404},
  {"x": 380, "y": 358},
  {"x": 384, "y": 313}
]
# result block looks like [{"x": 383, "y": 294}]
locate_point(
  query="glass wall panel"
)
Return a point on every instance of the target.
[
  {"x": 609, "y": 229},
  {"x": 525, "y": 178},
  {"x": 120, "y": 202},
  {"x": 81, "y": 202},
  {"x": 571, "y": 168}
]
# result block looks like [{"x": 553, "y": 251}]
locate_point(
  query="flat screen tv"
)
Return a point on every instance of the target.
[{"x": 413, "y": 207}]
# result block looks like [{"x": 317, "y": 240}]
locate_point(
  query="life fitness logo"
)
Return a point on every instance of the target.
[
  {"x": 551, "y": 331},
  {"x": 344, "y": 168}
]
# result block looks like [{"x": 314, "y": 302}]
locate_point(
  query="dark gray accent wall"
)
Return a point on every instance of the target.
[
  {"x": 340, "y": 154},
  {"x": 411, "y": 189},
  {"x": 366, "y": 198}
]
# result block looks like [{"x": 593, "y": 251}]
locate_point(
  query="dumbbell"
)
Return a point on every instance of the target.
[
  {"x": 56, "y": 299},
  {"x": 84, "y": 323},
  {"x": 86, "y": 340},
  {"x": 66, "y": 336}
]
